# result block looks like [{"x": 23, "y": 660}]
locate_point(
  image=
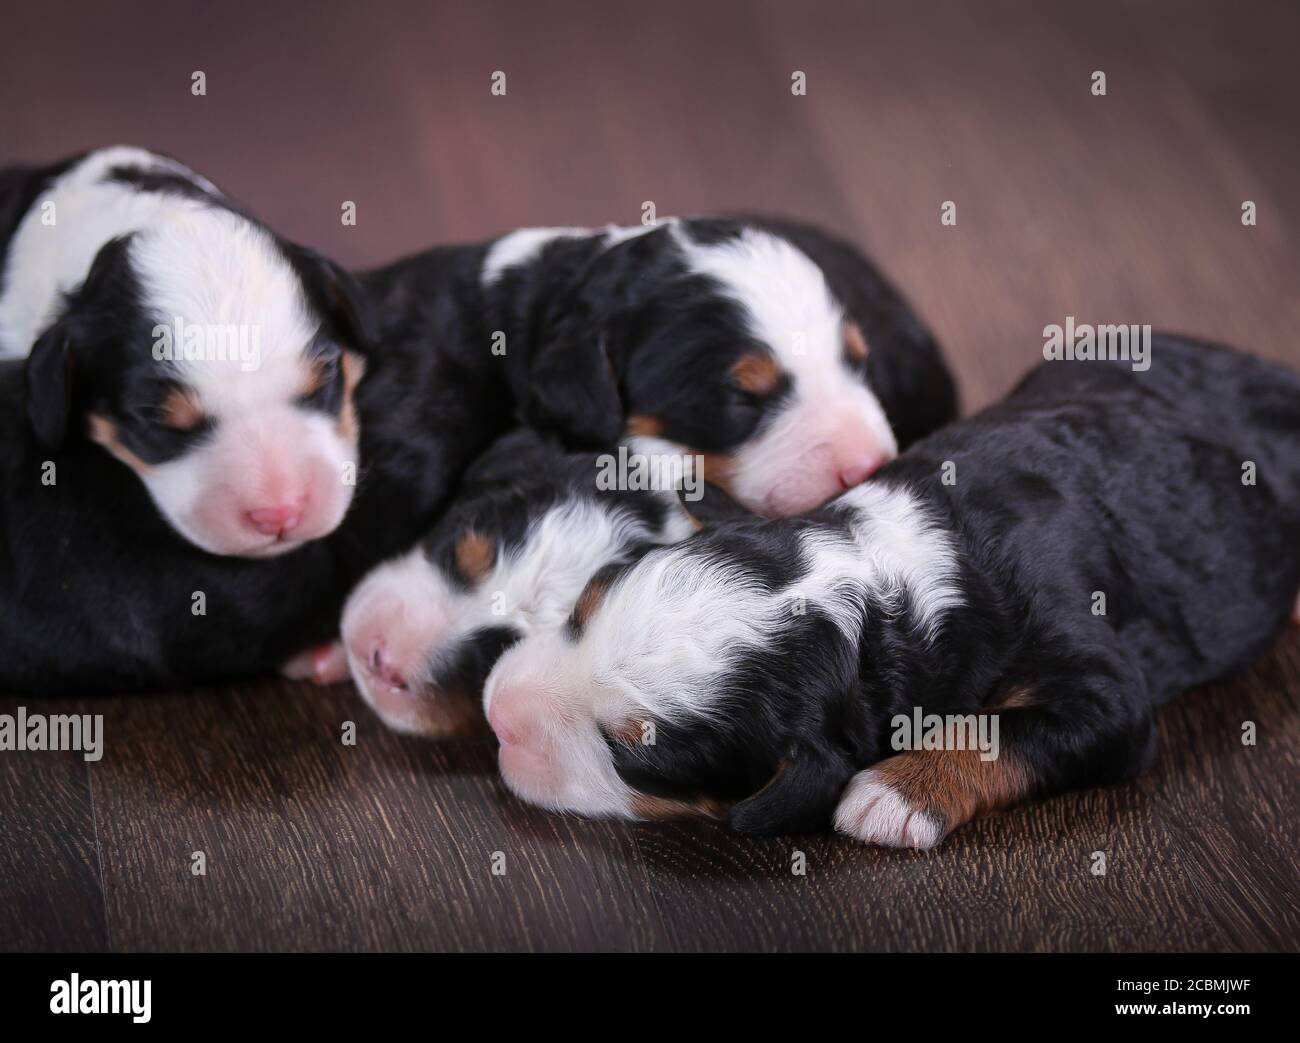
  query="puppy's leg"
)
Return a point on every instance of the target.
[{"x": 1086, "y": 727}]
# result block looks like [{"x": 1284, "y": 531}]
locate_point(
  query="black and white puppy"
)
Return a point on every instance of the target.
[
  {"x": 773, "y": 350},
  {"x": 527, "y": 530},
  {"x": 210, "y": 357},
  {"x": 1064, "y": 561}
]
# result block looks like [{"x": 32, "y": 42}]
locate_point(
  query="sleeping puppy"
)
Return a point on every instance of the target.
[
  {"x": 773, "y": 350},
  {"x": 99, "y": 593},
  {"x": 1054, "y": 568},
  {"x": 527, "y": 530},
  {"x": 214, "y": 360}
]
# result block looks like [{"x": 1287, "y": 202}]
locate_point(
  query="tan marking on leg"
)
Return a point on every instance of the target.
[
  {"x": 646, "y": 806},
  {"x": 104, "y": 431},
  {"x": 955, "y": 785},
  {"x": 475, "y": 555}
]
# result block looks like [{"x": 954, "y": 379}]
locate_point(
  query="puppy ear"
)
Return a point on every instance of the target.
[
  {"x": 713, "y": 506},
  {"x": 49, "y": 378},
  {"x": 800, "y": 798},
  {"x": 333, "y": 292},
  {"x": 573, "y": 388}
]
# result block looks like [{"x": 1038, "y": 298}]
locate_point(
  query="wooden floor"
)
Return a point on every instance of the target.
[{"x": 1123, "y": 208}]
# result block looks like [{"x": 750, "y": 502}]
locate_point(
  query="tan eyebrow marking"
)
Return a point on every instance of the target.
[
  {"x": 475, "y": 555},
  {"x": 757, "y": 372},
  {"x": 354, "y": 368},
  {"x": 589, "y": 600},
  {"x": 104, "y": 431},
  {"x": 855, "y": 342},
  {"x": 180, "y": 410}
]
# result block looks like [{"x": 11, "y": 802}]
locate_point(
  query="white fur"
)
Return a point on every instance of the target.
[
  {"x": 874, "y": 812},
  {"x": 46, "y": 261},
  {"x": 834, "y": 423}
]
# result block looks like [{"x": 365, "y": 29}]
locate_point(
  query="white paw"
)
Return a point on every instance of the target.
[{"x": 874, "y": 812}]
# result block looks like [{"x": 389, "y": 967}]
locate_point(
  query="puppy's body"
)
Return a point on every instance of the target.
[{"x": 978, "y": 596}]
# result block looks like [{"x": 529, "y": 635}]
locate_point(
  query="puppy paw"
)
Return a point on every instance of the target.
[
  {"x": 325, "y": 664},
  {"x": 874, "y": 812}
]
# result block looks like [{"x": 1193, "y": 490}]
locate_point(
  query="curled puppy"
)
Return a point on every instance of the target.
[
  {"x": 214, "y": 360},
  {"x": 526, "y": 532},
  {"x": 772, "y": 349},
  {"x": 1103, "y": 540}
]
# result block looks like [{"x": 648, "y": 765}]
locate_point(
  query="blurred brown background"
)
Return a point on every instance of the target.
[{"x": 1123, "y": 208}]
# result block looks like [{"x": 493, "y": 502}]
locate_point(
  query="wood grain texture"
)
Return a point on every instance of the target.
[{"x": 1124, "y": 207}]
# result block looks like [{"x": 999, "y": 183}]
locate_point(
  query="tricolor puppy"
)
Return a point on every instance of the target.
[
  {"x": 213, "y": 359},
  {"x": 98, "y": 590},
  {"x": 526, "y": 532},
  {"x": 1105, "y": 539},
  {"x": 775, "y": 351}
]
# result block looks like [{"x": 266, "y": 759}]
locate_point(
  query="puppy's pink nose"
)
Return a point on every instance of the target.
[
  {"x": 381, "y": 666},
  {"x": 276, "y": 521},
  {"x": 854, "y": 474}
]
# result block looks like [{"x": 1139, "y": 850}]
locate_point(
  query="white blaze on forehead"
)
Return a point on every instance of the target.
[
  {"x": 783, "y": 294},
  {"x": 45, "y": 261},
  {"x": 226, "y": 279}
]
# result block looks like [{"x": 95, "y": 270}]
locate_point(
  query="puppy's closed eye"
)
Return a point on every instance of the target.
[{"x": 180, "y": 410}]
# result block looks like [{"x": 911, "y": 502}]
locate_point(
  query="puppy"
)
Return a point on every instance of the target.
[
  {"x": 98, "y": 592},
  {"x": 1061, "y": 563},
  {"x": 214, "y": 360},
  {"x": 526, "y": 532},
  {"x": 775, "y": 351}
]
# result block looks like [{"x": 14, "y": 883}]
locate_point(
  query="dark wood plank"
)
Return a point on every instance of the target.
[
  {"x": 50, "y": 893},
  {"x": 312, "y": 844}
]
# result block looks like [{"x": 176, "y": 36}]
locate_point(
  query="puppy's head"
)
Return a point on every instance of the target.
[
  {"x": 684, "y": 684},
  {"x": 219, "y": 365},
  {"x": 727, "y": 343}
]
